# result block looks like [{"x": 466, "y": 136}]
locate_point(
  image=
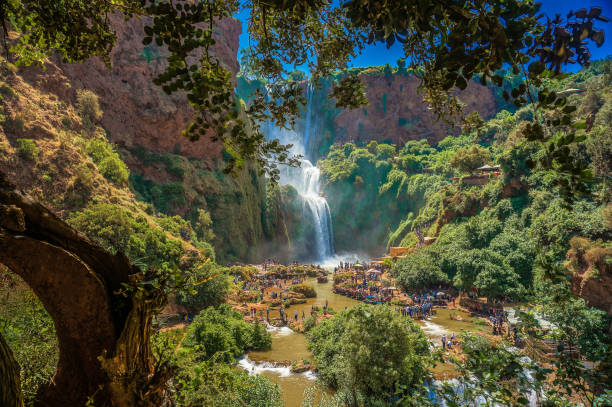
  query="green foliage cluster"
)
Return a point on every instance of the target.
[
  {"x": 370, "y": 355},
  {"x": 147, "y": 244},
  {"x": 306, "y": 289},
  {"x": 372, "y": 188},
  {"x": 118, "y": 230},
  {"x": 88, "y": 105},
  {"x": 108, "y": 161},
  {"x": 218, "y": 384},
  {"x": 208, "y": 285},
  {"x": 27, "y": 149},
  {"x": 173, "y": 163},
  {"x": 29, "y": 331},
  {"x": 222, "y": 333},
  {"x": 468, "y": 159},
  {"x": 212, "y": 382},
  {"x": 165, "y": 197}
]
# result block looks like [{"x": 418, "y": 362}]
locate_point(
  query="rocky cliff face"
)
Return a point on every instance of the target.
[
  {"x": 174, "y": 174},
  {"x": 396, "y": 112},
  {"x": 136, "y": 111}
]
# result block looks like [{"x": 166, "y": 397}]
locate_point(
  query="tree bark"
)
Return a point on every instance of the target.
[
  {"x": 10, "y": 387},
  {"x": 103, "y": 337}
]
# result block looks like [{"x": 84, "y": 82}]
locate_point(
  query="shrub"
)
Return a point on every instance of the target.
[
  {"x": 118, "y": 230},
  {"x": 209, "y": 287},
  {"x": 108, "y": 161},
  {"x": 310, "y": 322},
  {"x": 204, "y": 226},
  {"x": 222, "y": 332},
  {"x": 115, "y": 170},
  {"x": 306, "y": 289},
  {"x": 6, "y": 91},
  {"x": 79, "y": 189},
  {"x": 27, "y": 149},
  {"x": 88, "y": 105},
  {"x": 468, "y": 159}
]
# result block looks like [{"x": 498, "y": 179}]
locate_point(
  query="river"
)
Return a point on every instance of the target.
[{"x": 288, "y": 345}]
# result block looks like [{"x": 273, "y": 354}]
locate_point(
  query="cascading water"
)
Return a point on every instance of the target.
[
  {"x": 309, "y": 189},
  {"x": 306, "y": 181}
]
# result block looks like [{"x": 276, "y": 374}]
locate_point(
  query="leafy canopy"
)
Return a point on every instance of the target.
[{"x": 446, "y": 44}]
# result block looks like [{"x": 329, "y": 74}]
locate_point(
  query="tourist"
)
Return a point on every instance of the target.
[
  {"x": 303, "y": 315},
  {"x": 295, "y": 314},
  {"x": 443, "y": 342},
  {"x": 449, "y": 345},
  {"x": 454, "y": 338},
  {"x": 268, "y": 314}
]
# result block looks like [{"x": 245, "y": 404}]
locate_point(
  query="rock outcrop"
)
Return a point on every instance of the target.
[{"x": 590, "y": 264}]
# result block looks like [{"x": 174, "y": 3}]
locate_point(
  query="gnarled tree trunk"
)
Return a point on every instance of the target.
[{"x": 103, "y": 338}]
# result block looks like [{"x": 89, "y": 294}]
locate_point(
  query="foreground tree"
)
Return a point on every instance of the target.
[
  {"x": 103, "y": 328},
  {"x": 370, "y": 354}
]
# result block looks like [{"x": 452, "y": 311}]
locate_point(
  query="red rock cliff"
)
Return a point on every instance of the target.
[
  {"x": 136, "y": 111},
  {"x": 397, "y": 113}
]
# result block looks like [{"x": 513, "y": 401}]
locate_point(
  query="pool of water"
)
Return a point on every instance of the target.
[{"x": 288, "y": 346}]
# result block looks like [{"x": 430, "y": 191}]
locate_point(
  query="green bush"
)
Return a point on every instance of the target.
[
  {"x": 30, "y": 333},
  {"x": 27, "y": 149},
  {"x": 118, "y": 230},
  {"x": 306, "y": 289},
  {"x": 88, "y": 105},
  {"x": 214, "y": 384},
  {"x": 208, "y": 286},
  {"x": 108, "y": 161},
  {"x": 370, "y": 352},
  {"x": 115, "y": 170},
  {"x": 222, "y": 333}
]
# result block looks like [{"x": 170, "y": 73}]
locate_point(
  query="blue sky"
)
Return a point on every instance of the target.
[{"x": 376, "y": 55}]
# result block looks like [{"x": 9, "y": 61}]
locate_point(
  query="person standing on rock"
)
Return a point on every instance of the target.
[
  {"x": 295, "y": 314},
  {"x": 268, "y": 314},
  {"x": 443, "y": 342}
]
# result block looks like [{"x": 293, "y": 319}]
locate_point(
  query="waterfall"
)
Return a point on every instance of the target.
[
  {"x": 308, "y": 187},
  {"x": 306, "y": 181},
  {"x": 308, "y": 118}
]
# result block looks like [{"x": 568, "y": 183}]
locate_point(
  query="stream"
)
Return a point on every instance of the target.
[{"x": 288, "y": 345}]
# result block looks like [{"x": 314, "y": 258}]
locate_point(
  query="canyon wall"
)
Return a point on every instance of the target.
[
  {"x": 136, "y": 111},
  {"x": 175, "y": 175},
  {"x": 396, "y": 112}
]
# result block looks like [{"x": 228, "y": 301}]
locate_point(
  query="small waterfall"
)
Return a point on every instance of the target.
[{"x": 306, "y": 180}]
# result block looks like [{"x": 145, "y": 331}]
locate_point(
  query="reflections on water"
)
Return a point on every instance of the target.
[{"x": 288, "y": 346}]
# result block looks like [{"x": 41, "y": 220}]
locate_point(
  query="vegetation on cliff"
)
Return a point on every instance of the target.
[{"x": 512, "y": 236}]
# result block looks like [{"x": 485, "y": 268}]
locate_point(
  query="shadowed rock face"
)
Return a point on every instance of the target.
[{"x": 136, "y": 111}]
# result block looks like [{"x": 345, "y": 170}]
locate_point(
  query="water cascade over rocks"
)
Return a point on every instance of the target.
[{"x": 306, "y": 181}]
